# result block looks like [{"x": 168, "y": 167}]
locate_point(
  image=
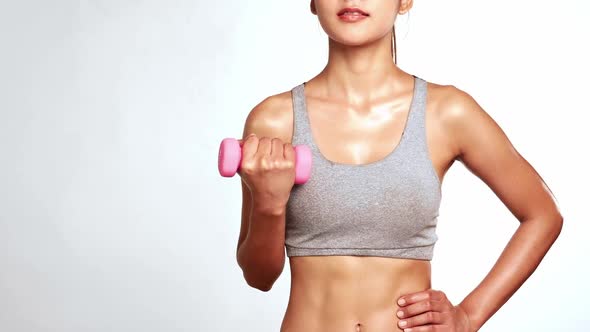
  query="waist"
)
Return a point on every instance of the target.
[{"x": 342, "y": 292}]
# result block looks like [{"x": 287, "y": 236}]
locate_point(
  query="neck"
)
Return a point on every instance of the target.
[{"x": 356, "y": 73}]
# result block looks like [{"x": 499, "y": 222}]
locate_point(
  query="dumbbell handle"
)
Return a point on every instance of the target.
[{"x": 230, "y": 158}]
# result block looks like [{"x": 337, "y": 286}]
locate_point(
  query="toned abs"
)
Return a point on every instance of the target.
[{"x": 350, "y": 294}]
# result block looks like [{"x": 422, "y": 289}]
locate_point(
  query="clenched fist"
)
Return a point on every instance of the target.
[{"x": 268, "y": 169}]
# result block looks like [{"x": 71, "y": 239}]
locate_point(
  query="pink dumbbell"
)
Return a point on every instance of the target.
[{"x": 230, "y": 158}]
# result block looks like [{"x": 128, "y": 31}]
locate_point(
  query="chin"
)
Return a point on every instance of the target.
[
  {"x": 354, "y": 36},
  {"x": 352, "y": 40}
]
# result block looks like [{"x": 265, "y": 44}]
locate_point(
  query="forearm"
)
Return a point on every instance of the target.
[
  {"x": 262, "y": 254},
  {"x": 518, "y": 261}
]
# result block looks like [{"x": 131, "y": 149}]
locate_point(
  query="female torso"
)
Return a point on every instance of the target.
[
  {"x": 359, "y": 293},
  {"x": 350, "y": 294}
]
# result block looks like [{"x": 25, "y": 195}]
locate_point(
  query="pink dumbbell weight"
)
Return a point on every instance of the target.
[{"x": 230, "y": 158}]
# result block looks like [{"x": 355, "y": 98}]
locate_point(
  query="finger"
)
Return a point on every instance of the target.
[
  {"x": 421, "y": 307},
  {"x": 276, "y": 148},
  {"x": 242, "y": 140},
  {"x": 249, "y": 147},
  {"x": 289, "y": 152},
  {"x": 264, "y": 146},
  {"x": 419, "y": 296},
  {"x": 427, "y": 318},
  {"x": 428, "y": 328}
]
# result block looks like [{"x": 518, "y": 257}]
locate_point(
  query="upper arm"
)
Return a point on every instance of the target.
[
  {"x": 272, "y": 117},
  {"x": 485, "y": 150}
]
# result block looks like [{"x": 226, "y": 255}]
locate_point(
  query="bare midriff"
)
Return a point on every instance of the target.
[{"x": 350, "y": 293}]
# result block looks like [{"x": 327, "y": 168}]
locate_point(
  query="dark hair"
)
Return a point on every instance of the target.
[{"x": 394, "y": 47}]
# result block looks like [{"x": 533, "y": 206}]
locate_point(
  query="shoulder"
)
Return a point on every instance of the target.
[
  {"x": 271, "y": 117},
  {"x": 458, "y": 114},
  {"x": 451, "y": 103}
]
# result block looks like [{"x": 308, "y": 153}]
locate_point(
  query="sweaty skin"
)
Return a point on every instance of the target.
[
  {"x": 344, "y": 293},
  {"x": 357, "y": 108},
  {"x": 349, "y": 294},
  {"x": 352, "y": 293}
]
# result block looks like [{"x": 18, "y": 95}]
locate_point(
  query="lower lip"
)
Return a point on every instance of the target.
[{"x": 352, "y": 17}]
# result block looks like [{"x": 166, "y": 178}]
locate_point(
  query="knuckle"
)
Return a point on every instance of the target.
[
  {"x": 430, "y": 316},
  {"x": 248, "y": 167},
  {"x": 265, "y": 163},
  {"x": 277, "y": 164},
  {"x": 289, "y": 164},
  {"x": 439, "y": 316},
  {"x": 271, "y": 163},
  {"x": 431, "y": 304}
]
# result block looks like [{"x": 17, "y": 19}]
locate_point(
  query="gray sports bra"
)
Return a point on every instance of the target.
[{"x": 385, "y": 208}]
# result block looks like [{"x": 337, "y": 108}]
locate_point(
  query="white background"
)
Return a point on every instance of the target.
[{"x": 113, "y": 216}]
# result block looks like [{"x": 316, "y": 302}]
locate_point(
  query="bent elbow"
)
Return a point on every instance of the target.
[
  {"x": 262, "y": 285},
  {"x": 262, "y": 278},
  {"x": 552, "y": 227},
  {"x": 261, "y": 272},
  {"x": 262, "y": 282},
  {"x": 558, "y": 224}
]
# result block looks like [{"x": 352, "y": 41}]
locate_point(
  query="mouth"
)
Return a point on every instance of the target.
[{"x": 352, "y": 11}]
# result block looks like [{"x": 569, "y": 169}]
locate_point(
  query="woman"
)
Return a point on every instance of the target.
[{"x": 360, "y": 233}]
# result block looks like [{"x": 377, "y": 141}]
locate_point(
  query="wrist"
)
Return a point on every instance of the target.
[
  {"x": 470, "y": 319},
  {"x": 268, "y": 207}
]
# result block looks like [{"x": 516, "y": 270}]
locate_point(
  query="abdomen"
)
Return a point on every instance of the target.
[{"x": 350, "y": 293}]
